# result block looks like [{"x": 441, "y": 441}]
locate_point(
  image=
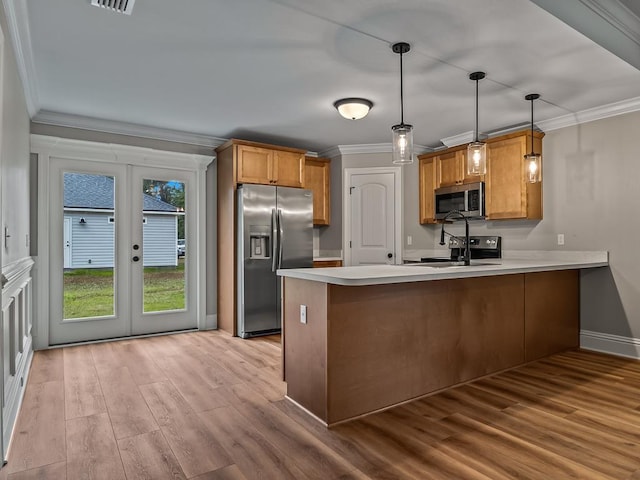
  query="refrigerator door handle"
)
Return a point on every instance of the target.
[
  {"x": 274, "y": 239},
  {"x": 280, "y": 238}
]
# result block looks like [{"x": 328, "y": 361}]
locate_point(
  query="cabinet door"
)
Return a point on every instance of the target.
[
  {"x": 254, "y": 165},
  {"x": 288, "y": 169},
  {"x": 317, "y": 179},
  {"x": 506, "y": 193},
  {"x": 427, "y": 186},
  {"x": 468, "y": 178},
  {"x": 449, "y": 168}
]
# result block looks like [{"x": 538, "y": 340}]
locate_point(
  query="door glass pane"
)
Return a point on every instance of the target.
[
  {"x": 88, "y": 243},
  {"x": 164, "y": 245}
]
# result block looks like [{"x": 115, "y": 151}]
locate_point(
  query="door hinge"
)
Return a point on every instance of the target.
[{"x": 349, "y": 243}]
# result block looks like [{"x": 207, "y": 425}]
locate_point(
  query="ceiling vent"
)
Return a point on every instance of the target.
[{"x": 119, "y": 6}]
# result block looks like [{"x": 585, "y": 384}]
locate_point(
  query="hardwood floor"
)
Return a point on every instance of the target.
[{"x": 209, "y": 406}]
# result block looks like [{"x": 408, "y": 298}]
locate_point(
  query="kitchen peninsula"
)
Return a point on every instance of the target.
[{"x": 376, "y": 336}]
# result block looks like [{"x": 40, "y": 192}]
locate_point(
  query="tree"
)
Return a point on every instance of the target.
[{"x": 171, "y": 192}]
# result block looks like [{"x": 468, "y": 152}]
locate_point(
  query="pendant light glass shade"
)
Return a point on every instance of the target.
[
  {"x": 532, "y": 160},
  {"x": 477, "y": 150},
  {"x": 402, "y": 144},
  {"x": 402, "y": 133},
  {"x": 477, "y": 158},
  {"x": 353, "y": 108}
]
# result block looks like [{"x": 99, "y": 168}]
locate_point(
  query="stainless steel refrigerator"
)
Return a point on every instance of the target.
[{"x": 275, "y": 230}]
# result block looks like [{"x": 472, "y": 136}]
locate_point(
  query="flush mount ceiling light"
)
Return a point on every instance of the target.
[
  {"x": 118, "y": 6},
  {"x": 532, "y": 161},
  {"x": 402, "y": 133},
  {"x": 353, "y": 108},
  {"x": 476, "y": 150}
]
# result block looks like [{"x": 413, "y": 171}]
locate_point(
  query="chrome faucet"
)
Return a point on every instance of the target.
[{"x": 467, "y": 244}]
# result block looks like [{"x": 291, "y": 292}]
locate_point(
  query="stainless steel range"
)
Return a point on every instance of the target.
[{"x": 481, "y": 247}]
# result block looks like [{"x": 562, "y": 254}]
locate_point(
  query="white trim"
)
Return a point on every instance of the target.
[
  {"x": 18, "y": 24},
  {"x": 617, "y": 15},
  {"x": 114, "y": 153},
  {"x": 373, "y": 148},
  {"x": 47, "y": 117},
  {"x": 613, "y": 344},
  {"x": 346, "y": 208},
  {"x": 13, "y": 270},
  {"x": 210, "y": 322},
  {"x": 597, "y": 113}
]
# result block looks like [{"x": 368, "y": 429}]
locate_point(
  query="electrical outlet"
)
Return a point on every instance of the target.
[
  {"x": 409, "y": 240},
  {"x": 303, "y": 314},
  {"x": 561, "y": 239}
]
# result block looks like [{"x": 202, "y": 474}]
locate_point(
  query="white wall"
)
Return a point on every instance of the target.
[{"x": 14, "y": 157}]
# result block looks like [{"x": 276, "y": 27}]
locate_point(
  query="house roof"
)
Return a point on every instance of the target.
[{"x": 92, "y": 191}]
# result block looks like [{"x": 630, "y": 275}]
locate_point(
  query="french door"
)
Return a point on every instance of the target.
[{"x": 114, "y": 266}]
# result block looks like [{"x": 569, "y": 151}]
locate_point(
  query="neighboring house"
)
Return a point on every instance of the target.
[{"x": 89, "y": 224}]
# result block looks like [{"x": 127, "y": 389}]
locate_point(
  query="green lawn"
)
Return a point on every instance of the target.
[{"x": 89, "y": 292}]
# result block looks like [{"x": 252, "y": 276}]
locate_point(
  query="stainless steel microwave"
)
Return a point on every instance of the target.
[{"x": 468, "y": 199}]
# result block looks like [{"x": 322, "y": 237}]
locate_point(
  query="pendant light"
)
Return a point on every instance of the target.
[
  {"x": 477, "y": 150},
  {"x": 532, "y": 161},
  {"x": 402, "y": 133}
]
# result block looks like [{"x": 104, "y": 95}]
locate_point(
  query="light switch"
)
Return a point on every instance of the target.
[
  {"x": 409, "y": 240},
  {"x": 561, "y": 239},
  {"x": 303, "y": 314}
]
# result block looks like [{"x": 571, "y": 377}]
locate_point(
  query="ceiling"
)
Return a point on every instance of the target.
[{"x": 270, "y": 70}]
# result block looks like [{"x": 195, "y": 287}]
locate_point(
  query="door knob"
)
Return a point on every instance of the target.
[
  {"x": 136, "y": 258},
  {"x": 389, "y": 255}
]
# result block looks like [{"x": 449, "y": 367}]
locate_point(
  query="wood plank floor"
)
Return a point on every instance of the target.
[{"x": 209, "y": 406}]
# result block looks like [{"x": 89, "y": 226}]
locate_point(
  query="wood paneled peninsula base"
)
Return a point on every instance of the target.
[{"x": 369, "y": 347}]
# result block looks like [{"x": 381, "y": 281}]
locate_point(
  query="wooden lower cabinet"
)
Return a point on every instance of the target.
[
  {"x": 327, "y": 263},
  {"x": 366, "y": 348}
]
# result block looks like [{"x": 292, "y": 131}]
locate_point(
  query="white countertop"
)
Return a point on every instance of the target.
[{"x": 512, "y": 262}]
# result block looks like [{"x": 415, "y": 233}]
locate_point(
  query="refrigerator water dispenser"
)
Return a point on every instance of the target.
[{"x": 259, "y": 242}]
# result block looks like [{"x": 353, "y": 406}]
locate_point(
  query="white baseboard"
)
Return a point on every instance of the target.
[
  {"x": 210, "y": 322},
  {"x": 613, "y": 344}
]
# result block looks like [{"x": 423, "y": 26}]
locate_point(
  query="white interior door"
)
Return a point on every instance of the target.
[
  {"x": 373, "y": 217},
  {"x": 123, "y": 275}
]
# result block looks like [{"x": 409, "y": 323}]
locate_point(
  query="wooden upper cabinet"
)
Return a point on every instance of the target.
[
  {"x": 508, "y": 195},
  {"x": 449, "y": 167},
  {"x": 428, "y": 182},
  {"x": 452, "y": 168},
  {"x": 288, "y": 169},
  {"x": 266, "y": 164},
  {"x": 317, "y": 178},
  {"x": 255, "y": 164}
]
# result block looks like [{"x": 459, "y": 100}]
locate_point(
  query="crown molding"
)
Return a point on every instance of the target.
[
  {"x": 609, "y": 23},
  {"x": 18, "y": 25},
  {"x": 115, "y": 153},
  {"x": 123, "y": 128},
  {"x": 590, "y": 115},
  {"x": 369, "y": 148}
]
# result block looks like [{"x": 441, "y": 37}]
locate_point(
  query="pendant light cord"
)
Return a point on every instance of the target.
[
  {"x": 401, "y": 93},
  {"x": 477, "y": 110},
  {"x": 532, "y": 126}
]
